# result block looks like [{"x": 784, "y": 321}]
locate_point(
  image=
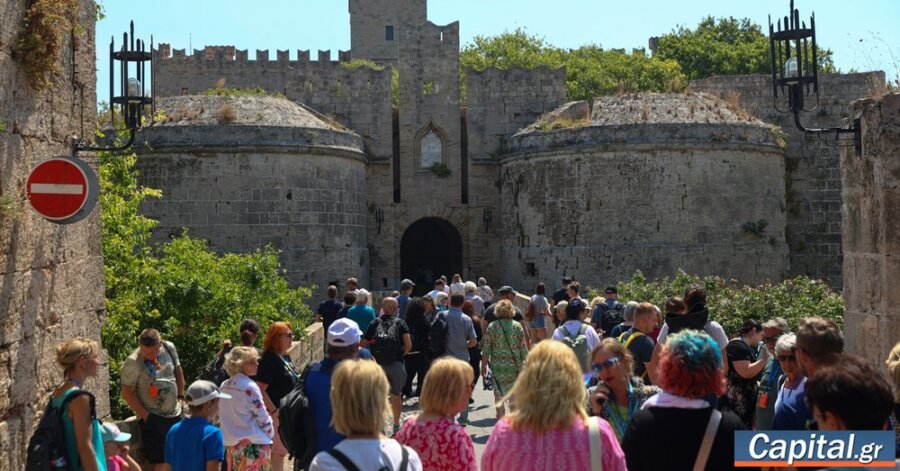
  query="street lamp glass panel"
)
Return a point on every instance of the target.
[
  {"x": 790, "y": 68},
  {"x": 134, "y": 88}
]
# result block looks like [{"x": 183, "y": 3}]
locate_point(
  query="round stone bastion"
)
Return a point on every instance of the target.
[
  {"x": 649, "y": 182},
  {"x": 248, "y": 171}
]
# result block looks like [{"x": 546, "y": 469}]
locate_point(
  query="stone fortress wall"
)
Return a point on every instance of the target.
[
  {"x": 812, "y": 165},
  {"x": 871, "y": 242},
  {"x": 51, "y": 276},
  {"x": 359, "y": 99},
  {"x": 275, "y": 175},
  {"x": 656, "y": 182},
  {"x": 475, "y": 139}
]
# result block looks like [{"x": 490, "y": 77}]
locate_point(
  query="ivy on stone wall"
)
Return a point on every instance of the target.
[{"x": 39, "y": 45}]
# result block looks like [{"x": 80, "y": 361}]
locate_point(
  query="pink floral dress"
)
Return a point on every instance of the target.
[
  {"x": 441, "y": 444},
  {"x": 564, "y": 449}
]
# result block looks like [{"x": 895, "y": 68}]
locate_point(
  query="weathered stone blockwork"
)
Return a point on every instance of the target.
[
  {"x": 812, "y": 178},
  {"x": 502, "y": 102},
  {"x": 605, "y": 200},
  {"x": 295, "y": 184},
  {"x": 369, "y": 21},
  {"x": 51, "y": 276},
  {"x": 871, "y": 231},
  {"x": 359, "y": 99}
]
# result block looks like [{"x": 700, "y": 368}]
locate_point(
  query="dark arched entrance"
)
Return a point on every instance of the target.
[{"x": 430, "y": 247}]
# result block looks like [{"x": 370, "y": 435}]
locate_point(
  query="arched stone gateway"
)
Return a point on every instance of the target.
[{"x": 430, "y": 247}]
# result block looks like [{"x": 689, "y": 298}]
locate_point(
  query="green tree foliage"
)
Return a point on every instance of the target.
[
  {"x": 591, "y": 70},
  {"x": 724, "y": 46},
  {"x": 730, "y": 303},
  {"x": 193, "y": 296}
]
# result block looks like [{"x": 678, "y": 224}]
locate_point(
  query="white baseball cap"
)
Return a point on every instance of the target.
[
  {"x": 110, "y": 433},
  {"x": 200, "y": 392},
  {"x": 344, "y": 332}
]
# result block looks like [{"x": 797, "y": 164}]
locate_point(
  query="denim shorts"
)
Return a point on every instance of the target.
[{"x": 537, "y": 322}]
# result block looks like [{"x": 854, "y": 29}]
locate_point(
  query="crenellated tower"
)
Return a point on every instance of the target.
[{"x": 376, "y": 27}]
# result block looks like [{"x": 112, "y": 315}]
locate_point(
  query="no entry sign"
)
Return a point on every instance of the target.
[{"x": 63, "y": 190}]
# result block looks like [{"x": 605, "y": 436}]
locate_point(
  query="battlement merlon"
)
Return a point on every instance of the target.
[{"x": 230, "y": 54}]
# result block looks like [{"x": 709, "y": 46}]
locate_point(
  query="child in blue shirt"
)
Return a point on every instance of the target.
[{"x": 195, "y": 444}]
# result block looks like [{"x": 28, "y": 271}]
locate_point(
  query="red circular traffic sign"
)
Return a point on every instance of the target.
[{"x": 62, "y": 190}]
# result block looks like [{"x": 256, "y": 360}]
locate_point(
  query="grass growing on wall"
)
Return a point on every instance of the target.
[
  {"x": 39, "y": 44},
  {"x": 730, "y": 302}
]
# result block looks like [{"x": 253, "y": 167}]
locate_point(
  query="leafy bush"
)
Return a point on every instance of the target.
[
  {"x": 193, "y": 296},
  {"x": 730, "y": 303}
]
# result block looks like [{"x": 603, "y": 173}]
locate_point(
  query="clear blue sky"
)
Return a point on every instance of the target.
[{"x": 863, "y": 34}]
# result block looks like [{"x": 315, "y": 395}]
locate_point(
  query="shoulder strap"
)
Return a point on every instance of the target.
[
  {"x": 343, "y": 460},
  {"x": 404, "y": 462},
  {"x": 708, "y": 437},
  {"x": 634, "y": 334},
  {"x": 596, "y": 447},
  {"x": 583, "y": 329},
  {"x": 168, "y": 350},
  {"x": 74, "y": 395}
]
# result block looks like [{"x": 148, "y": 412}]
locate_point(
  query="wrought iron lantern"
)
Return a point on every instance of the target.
[
  {"x": 487, "y": 219},
  {"x": 130, "y": 63},
  {"x": 379, "y": 218},
  {"x": 795, "y": 72}
]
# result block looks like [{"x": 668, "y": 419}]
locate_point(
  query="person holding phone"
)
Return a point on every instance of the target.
[{"x": 614, "y": 392}]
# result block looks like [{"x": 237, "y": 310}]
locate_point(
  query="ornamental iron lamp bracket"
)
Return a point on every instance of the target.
[
  {"x": 133, "y": 98},
  {"x": 795, "y": 72}
]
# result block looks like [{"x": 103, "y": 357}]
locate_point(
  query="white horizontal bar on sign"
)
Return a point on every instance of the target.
[{"x": 56, "y": 189}]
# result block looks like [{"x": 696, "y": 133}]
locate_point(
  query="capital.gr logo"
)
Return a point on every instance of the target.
[{"x": 814, "y": 448}]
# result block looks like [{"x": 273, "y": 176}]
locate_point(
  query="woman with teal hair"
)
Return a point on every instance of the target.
[{"x": 691, "y": 377}]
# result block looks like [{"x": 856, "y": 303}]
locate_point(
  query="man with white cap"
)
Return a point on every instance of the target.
[
  {"x": 343, "y": 344},
  {"x": 195, "y": 443}
]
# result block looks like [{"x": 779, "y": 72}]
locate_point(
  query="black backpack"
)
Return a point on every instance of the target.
[
  {"x": 437, "y": 338},
  {"x": 298, "y": 428},
  {"x": 47, "y": 448},
  {"x": 387, "y": 345},
  {"x": 215, "y": 371},
  {"x": 611, "y": 317}
]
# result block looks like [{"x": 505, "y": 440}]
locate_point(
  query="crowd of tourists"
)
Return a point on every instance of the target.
[{"x": 577, "y": 384}]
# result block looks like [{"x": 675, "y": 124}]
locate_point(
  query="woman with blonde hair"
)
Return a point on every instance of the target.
[
  {"x": 83, "y": 438},
  {"x": 440, "y": 442},
  {"x": 550, "y": 429},
  {"x": 503, "y": 348},
  {"x": 276, "y": 377},
  {"x": 246, "y": 425},
  {"x": 893, "y": 364},
  {"x": 359, "y": 391},
  {"x": 614, "y": 392}
]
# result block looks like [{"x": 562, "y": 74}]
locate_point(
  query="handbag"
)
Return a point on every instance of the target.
[{"x": 488, "y": 381}]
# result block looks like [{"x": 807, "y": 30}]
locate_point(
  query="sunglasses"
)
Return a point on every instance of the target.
[
  {"x": 771, "y": 339},
  {"x": 598, "y": 367},
  {"x": 785, "y": 358}
]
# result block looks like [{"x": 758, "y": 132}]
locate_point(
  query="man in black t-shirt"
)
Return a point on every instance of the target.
[
  {"x": 637, "y": 340},
  {"x": 560, "y": 294},
  {"x": 393, "y": 367}
]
